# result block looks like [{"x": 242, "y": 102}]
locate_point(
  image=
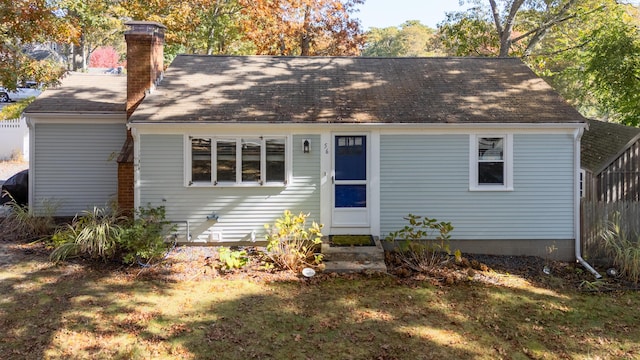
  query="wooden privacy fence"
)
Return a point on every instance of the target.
[{"x": 595, "y": 217}]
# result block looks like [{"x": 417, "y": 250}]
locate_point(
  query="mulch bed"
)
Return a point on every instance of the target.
[{"x": 200, "y": 263}]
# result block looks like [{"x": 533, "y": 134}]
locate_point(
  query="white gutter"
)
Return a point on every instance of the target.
[{"x": 576, "y": 195}]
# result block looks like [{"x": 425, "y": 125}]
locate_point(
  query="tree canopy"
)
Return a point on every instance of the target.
[
  {"x": 267, "y": 27},
  {"x": 76, "y": 28},
  {"x": 588, "y": 50},
  {"x": 23, "y": 22},
  {"x": 409, "y": 39}
]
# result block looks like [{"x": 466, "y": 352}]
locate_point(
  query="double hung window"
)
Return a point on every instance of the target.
[
  {"x": 491, "y": 164},
  {"x": 229, "y": 161}
]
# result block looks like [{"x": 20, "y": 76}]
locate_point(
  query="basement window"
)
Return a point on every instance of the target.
[{"x": 238, "y": 161}]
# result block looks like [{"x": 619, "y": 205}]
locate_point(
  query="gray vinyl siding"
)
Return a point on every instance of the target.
[
  {"x": 241, "y": 210},
  {"x": 74, "y": 166},
  {"x": 429, "y": 175}
]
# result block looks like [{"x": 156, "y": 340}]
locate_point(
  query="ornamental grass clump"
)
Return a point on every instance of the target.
[
  {"x": 623, "y": 252},
  {"x": 93, "y": 234},
  {"x": 291, "y": 245},
  {"x": 103, "y": 234},
  {"x": 21, "y": 224}
]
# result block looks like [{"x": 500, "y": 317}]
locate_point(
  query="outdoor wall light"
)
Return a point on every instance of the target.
[{"x": 306, "y": 146}]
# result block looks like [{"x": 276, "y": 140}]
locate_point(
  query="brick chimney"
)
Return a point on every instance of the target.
[
  {"x": 145, "y": 65},
  {"x": 145, "y": 60}
]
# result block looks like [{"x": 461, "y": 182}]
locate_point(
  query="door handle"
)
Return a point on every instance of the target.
[{"x": 333, "y": 179}]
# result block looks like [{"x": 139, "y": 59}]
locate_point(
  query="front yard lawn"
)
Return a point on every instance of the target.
[{"x": 80, "y": 311}]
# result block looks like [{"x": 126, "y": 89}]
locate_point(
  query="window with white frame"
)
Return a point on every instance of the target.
[
  {"x": 228, "y": 161},
  {"x": 491, "y": 164}
]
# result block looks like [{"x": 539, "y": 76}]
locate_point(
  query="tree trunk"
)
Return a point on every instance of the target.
[
  {"x": 505, "y": 30},
  {"x": 305, "y": 39}
]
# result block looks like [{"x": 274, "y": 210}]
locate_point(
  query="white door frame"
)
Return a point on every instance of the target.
[{"x": 373, "y": 191}]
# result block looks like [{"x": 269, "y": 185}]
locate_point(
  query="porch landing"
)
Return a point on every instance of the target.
[{"x": 350, "y": 259}]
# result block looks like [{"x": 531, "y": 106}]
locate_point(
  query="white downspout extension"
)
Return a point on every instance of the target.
[{"x": 576, "y": 190}]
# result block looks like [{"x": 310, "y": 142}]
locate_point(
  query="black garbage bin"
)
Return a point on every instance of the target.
[{"x": 17, "y": 187}]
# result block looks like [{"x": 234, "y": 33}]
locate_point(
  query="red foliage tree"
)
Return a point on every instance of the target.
[{"x": 104, "y": 57}]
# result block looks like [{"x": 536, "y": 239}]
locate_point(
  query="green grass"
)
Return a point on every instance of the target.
[{"x": 77, "y": 312}]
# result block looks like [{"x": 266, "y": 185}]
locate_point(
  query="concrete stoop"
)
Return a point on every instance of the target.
[{"x": 351, "y": 259}]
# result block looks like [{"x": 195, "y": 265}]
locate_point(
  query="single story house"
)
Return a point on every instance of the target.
[{"x": 227, "y": 143}]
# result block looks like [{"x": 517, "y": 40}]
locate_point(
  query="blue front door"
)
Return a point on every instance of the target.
[{"x": 350, "y": 189}]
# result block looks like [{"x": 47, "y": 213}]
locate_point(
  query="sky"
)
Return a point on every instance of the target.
[{"x": 385, "y": 13}]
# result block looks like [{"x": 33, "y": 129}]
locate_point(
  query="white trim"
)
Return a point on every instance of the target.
[
  {"x": 576, "y": 204},
  {"x": 354, "y": 227},
  {"x": 325, "y": 181},
  {"x": 374, "y": 183},
  {"x": 186, "y": 160},
  {"x": 136, "y": 169},
  {"x": 32, "y": 166},
  {"x": 288, "y": 158},
  {"x": 396, "y": 129},
  {"x": 508, "y": 163}
]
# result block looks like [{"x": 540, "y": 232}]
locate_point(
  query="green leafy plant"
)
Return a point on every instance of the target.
[
  {"x": 232, "y": 259},
  {"x": 291, "y": 245},
  {"x": 423, "y": 243},
  {"x": 14, "y": 110},
  {"x": 143, "y": 238},
  {"x": 93, "y": 234},
  {"x": 623, "y": 252}
]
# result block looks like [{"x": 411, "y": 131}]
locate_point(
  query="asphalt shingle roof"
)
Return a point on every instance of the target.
[
  {"x": 268, "y": 89},
  {"x": 83, "y": 93},
  {"x": 603, "y": 142}
]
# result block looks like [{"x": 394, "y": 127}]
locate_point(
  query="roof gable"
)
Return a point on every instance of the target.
[
  {"x": 268, "y": 89},
  {"x": 603, "y": 142}
]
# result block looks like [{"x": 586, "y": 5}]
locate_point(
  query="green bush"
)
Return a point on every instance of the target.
[
  {"x": 291, "y": 245},
  {"x": 93, "y": 234},
  {"x": 144, "y": 237},
  {"x": 232, "y": 259},
  {"x": 105, "y": 235},
  {"x": 423, "y": 243},
  {"x": 624, "y": 253}
]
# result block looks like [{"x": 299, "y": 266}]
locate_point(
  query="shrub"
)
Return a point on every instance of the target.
[
  {"x": 423, "y": 243},
  {"x": 232, "y": 259},
  {"x": 143, "y": 238},
  {"x": 103, "y": 234},
  {"x": 291, "y": 244},
  {"x": 94, "y": 234},
  {"x": 624, "y": 253}
]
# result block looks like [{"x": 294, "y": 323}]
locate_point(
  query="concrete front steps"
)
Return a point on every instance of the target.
[{"x": 351, "y": 259}]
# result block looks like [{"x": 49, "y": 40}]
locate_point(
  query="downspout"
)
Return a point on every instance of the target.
[
  {"x": 31, "y": 125},
  {"x": 577, "y": 135}
]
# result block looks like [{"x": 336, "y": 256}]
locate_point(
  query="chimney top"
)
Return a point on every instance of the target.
[{"x": 145, "y": 27}]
